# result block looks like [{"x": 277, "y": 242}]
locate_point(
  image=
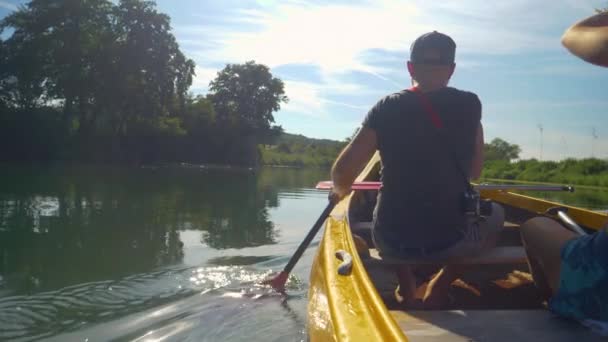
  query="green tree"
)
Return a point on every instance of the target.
[
  {"x": 54, "y": 51},
  {"x": 499, "y": 149},
  {"x": 153, "y": 75},
  {"x": 5, "y": 82},
  {"x": 245, "y": 96},
  {"x": 248, "y": 93},
  {"x": 112, "y": 69}
]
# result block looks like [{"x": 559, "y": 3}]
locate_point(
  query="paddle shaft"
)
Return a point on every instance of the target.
[
  {"x": 569, "y": 222},
  {"x": 327, "y": 185},
  {"x": 311, "y": 234},
  {"x": 516, "y": 187}
]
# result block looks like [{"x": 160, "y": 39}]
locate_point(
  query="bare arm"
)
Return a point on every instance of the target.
[
  {"x": 352, "y": 159},
  {"x": 588, "y": 39},
  {"x": 477, "y": 162}
]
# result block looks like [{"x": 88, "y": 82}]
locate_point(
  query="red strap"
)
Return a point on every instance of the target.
[{"x": 426, "y": 104}]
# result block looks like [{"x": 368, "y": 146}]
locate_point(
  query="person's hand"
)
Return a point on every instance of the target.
[
  {"x": 335, "y": 195},
  {"x": 588, "y": 39}
]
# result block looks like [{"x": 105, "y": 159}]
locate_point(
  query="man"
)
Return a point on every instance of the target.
[
  {"x": 570, "y": 270},
  {"x": 430, "y": 140}
]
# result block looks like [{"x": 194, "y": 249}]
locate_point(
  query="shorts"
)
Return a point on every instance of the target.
[
  {"x": 479, "y": 235},
  {"x": 583, "y": 283}
]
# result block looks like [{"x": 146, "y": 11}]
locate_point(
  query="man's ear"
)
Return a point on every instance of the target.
[
  {"x": 452, "y": 70},
  {"x": 410, "y": 68}
]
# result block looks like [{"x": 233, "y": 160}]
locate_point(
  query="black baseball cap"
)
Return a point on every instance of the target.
[{"x": 433, "y": 48}]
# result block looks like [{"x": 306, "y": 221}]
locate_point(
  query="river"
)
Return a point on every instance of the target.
[{"x": 98, "y": 253}]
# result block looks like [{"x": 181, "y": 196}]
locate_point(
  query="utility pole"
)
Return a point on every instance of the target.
[
  {"x": 540, "y": 128},
  {"x": 593, "y": 137},
  {"x": 564, "y": 145}
]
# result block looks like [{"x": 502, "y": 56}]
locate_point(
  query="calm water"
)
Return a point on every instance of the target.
[
  {"x": 103, "y": 253},
  {"x": 117, "y": 253}
]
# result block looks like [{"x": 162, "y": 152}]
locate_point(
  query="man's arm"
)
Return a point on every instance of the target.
[
  {"x": 477, "y": 162},
  {"x": 588, "y": 39},
  {"x": 352, "y": 160}
]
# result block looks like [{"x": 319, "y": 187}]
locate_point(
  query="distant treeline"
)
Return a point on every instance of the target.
[
  {"x": 298, "y": 151},
  {"x": 588, "y": 171},
  {"x": 103, "y": 81},
  {"x": 499, "y": 163}
]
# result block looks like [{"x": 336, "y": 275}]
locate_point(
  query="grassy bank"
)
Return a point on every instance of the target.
[{"x": 589, "y": 172}]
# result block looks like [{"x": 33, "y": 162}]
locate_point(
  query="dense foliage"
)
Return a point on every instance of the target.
[
  {"x": 589, "y": 171},
  {"x": 499, "y": 149},
  {"x": 94, "y": 80},
  {"x": 499, "y": 164},
  {"x": 297, "y": 150}
]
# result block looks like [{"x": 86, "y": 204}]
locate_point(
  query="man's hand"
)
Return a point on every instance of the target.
[
  {"x": 336, "y": 195},
  {"x": 588, "y": 39}
]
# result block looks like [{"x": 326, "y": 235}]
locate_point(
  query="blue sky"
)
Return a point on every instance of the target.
[{"x": 337, "y": 58}]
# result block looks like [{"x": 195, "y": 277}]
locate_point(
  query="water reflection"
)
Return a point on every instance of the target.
[
  {"x": 84, "y": 244},
  {"x": 111, "y": 252},
  {"x": 66, "y": 225}
]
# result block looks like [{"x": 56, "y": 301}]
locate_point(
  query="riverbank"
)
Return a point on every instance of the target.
[
  {"x": 587, "y": 172},
  {"x": 502, "y": 181}
]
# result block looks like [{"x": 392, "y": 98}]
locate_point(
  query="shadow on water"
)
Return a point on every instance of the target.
[{"x": 116, "y": 253}]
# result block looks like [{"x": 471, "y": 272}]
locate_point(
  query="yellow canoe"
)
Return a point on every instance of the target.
[{"x": 356, "y": 306}]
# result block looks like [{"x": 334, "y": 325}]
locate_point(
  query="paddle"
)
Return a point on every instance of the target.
[
  {"x": 327, "y": 185},
  {"x": 561, "y": 213},
  {"x": 278, "y": 281}
]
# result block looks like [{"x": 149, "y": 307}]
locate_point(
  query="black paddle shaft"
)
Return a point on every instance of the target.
[{"x": 311, "y": 234}]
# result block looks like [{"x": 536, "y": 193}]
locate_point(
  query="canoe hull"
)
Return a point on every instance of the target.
[
  {"x": 345, "y": 307},
  {"x": 348, "y": 307}
]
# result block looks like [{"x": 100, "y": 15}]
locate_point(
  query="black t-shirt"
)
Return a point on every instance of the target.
[{"x": 420, "y": 201}]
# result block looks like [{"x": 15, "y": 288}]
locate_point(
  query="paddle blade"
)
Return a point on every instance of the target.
[{"x": 278, "y": 281}]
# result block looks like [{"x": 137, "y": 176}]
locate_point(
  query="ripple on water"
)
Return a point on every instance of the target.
[{"x": 167, "y": 302}]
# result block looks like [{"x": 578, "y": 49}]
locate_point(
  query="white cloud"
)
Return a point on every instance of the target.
[
  {"x": 304, "y": 98},
  {"x": 202, "y": 77},
  {"x": 8, "y": 6},
  {"x": 334, "y": 36},
  {"x": 311, "y": 99},
  {"x": 347, "y": 41},
  {"x": 329, "y": 36}
]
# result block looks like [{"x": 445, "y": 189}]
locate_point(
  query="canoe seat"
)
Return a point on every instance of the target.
[
  {"x": 490, "y": 325},
  {"x": 362, "y": 227},
  {"x": 365, "y": 227},
  {"x": 497, "y": 255}
]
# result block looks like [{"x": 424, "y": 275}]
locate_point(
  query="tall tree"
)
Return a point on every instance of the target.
[
  {"x": 249, "y": 94},
  {"x": 499, "y": 149},
  {"x": 152, "y": 72},
  {"x": 54, "y": 52},
  {"x": 245, "y": 96},
  {"x": 107, "y": 65}
]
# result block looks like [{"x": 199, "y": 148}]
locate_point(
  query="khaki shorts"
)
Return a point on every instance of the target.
[{"x": 479, "y": 236}]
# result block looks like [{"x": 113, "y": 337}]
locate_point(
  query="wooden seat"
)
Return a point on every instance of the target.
[
  {"x": 497, "y": 255},
  {"x": 490, "y": 325},
  {"x": 365, "y": 227},
  {"x": 362, "y": 228}
]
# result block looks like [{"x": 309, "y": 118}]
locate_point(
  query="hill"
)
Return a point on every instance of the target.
[{"x": 296, "y": 150}]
